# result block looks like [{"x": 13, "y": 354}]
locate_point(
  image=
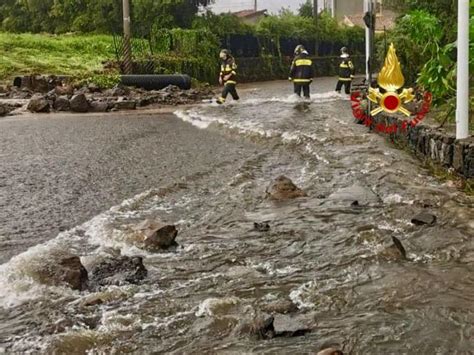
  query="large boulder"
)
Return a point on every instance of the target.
[
  {"x": 154, "y": 236},
  {"x": 38, "y": 103},
  {"x": 63, "y": 270},
  {"x": 118, "y": 271},
  {"x": 62, "y": 104},
  {"x": 79, "y": 103},
  {"x": 99, "y": 106},
  {"x": 284, "y": 189}
]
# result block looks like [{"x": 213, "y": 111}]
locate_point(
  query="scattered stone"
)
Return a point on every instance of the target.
[
  {"x": 424, "y": 219},
  {"x": 355, "y": 204},
  {"x": 261, "y": 227},
  {"x": 38, "y": 104},
  {"x": 120, "y": 90},
  {"x": 118, "y": 271},
  {"x": 79, "y": 103},
  {"x": 284, "y": 189},
  {"x": 62, "y": 270},
  {"x": 3, "y": 110},
  {"x": 62, "y": 104},
  {"x": 154, "y": 236},
  {"x": 126, "y": 105},
  {"x": 99, "y": 106},
  {"x": 395, "y": 252},
  {"x": 93, "y": 88},
  {"x": 62, "y": 90}
]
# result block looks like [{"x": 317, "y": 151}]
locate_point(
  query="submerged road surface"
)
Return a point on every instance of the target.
[{"x": 326, "y": 261}]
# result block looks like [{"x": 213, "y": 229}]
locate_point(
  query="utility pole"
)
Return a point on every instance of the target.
[
  {"x": 462, "y": 101},
  {"x": 367, "y": 42},
  {"x": 127, "y": 35},
  {"x": 255, "y": 6},
  {"x": 315, "y": 10}
]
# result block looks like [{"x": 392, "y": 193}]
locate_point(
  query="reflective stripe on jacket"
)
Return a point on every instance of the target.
[
  {"x": 228, "y": 67},
  {"x": 302, "y": 69},
  {"x": 346, "y": 69}
]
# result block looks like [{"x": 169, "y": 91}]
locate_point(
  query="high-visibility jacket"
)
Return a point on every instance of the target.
[
  {"x": 346, "y": 68},
  {"x": 302, "y": 71},
  {"x": 229, "y": 67}
]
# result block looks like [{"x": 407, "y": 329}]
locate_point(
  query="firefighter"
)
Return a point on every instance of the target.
[
  {"x": 228, "y": 76},
  {"x": 346, "y": 72},
  {"x": 302, "y": 72}
]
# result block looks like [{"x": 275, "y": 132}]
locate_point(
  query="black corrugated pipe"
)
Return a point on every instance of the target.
[{"x": 157, "y": 82}]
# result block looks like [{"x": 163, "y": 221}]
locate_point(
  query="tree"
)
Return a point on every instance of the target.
[
  {"x": 306, "y": 9},
  {"x": 104, "y": 16}
]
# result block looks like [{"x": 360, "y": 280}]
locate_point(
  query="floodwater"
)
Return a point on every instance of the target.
[{"x": 331, "y": 258}]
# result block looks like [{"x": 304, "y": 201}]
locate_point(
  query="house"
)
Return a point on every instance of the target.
[
  {"x": 251, "y": 17},
  {"x": 351, "y": 13}
]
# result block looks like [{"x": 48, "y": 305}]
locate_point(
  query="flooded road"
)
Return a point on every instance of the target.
[{"x": 330, "y": 257}]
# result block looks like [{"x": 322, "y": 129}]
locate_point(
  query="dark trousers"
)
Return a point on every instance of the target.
[
  {"x": 229, "y": 89},
  {"x": 346, "y": 84},
  {"x": 302, "y": 87}
]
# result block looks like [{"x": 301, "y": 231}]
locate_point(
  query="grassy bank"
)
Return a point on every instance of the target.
[{"x": 49, "y": 54}]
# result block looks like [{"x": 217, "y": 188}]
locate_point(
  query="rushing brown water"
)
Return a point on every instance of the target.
[{"x": 327, "y": 256}]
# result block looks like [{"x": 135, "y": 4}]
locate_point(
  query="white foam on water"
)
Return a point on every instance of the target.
[
  {"x": 212, "y": 306},
  {"x": 18, "y": 278},
  {"x": 299, "y": 295}
]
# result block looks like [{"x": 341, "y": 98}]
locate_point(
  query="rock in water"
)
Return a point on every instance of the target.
[
  {"x": 263, "y": 328},
  {"x": 154, "y": 236},
  {"x": 284, "y": 189},
  {"x": 118, "y": 271},
  {"x": 398, "y": 244},
  {"x": 38, "y": 104},
  {"x": 64, "y": 270},
  {"x": 261, "y": 227},
  {"x": 330, "y": 351},
  {"x": 424, "y": 219},
  {"x": 79, "y": 103},
  {"x": 62, "y": 104}
]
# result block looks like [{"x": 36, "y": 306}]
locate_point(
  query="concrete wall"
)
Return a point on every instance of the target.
[{"x": 439, "y": 147}]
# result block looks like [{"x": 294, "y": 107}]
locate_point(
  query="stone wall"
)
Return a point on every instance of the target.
[{"x": 440, "y": 147}]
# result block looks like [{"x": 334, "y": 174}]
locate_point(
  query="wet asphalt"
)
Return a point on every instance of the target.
[{"x": 57, "y": 171}]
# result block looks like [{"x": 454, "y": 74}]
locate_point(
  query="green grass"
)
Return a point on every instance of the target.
[{"x": 75, "y": 55}]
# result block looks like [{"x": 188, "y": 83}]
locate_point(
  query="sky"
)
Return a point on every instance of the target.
[{"x": 271, "y": 5}]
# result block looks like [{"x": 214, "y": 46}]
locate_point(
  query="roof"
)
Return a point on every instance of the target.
[
  {"x": 386, "y": 20},
  {"x": 250, "y": 13}
]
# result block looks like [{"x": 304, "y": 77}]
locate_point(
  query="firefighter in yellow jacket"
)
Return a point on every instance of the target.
[
  {"x": 228, "y": 76},
  {"x": 302, "y": 72},
  {"x": 346, "y": 72}
]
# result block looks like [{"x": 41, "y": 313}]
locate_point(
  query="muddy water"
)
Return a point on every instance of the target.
[{"x": 327, "y": 256}]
